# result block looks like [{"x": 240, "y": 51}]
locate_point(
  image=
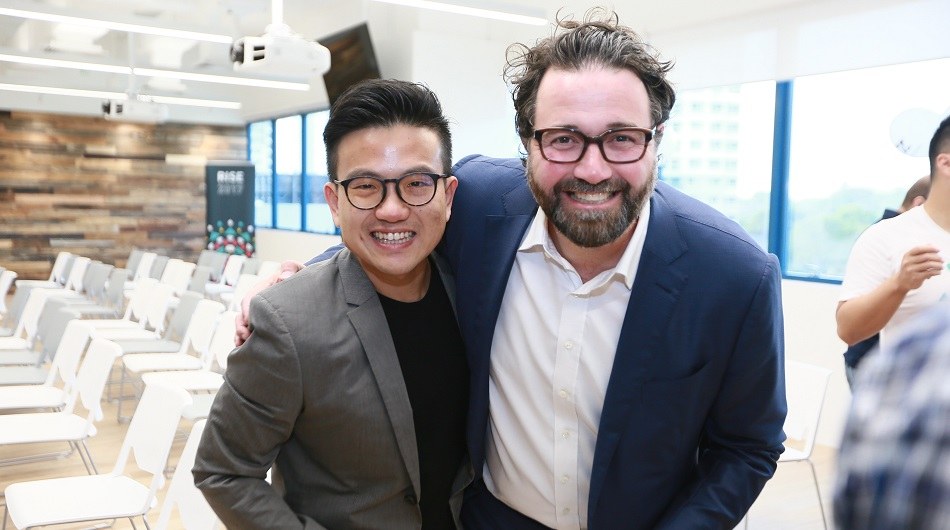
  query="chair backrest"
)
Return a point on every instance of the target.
[
  {"x": 94, "y": 283},
  {"x": 805, "y": 386},
  {"x": 144, "y": 266},
  {"x": 268, "y": 268},
  {"x": 148, "y": 439},
  {"x": 182, "y": 316},
  {"x": 68, "y": 352},
  {"x": 76, "y": 274},
  {"x": 157, "y": 307},
  {"x": 222, "y": 343},
  {"x": 251, "y": 265},
  {"x": 217, "y": 262},
  {"x": 135, "y": 255},
  {"x": 55, "y": 316},
  {"x": 158, "y": 267},
  {"x": 6, "y": 281},
  {"x": 200, "y": 329},
  {"x": 60, "y": 268},
  {"x": 194, "y": 513},
  {"x": 114, "y": 295},
  {"x": 199, "y": 278},
  {"x": 244, "y": 284},
  {"x": 91, "y": 379},
  {"x": 232, "y": 269}
]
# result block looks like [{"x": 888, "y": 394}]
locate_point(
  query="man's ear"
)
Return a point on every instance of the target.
[
  {"x": 332, "y": 196},
  {"x": 451, "y": 184}
]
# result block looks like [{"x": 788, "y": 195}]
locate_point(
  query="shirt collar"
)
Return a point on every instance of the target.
[{"x": 537, "y": 239}]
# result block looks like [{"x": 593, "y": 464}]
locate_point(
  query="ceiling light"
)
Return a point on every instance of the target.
[
  {"x": 151, "y": 72},
  {"x": 98, "y": 94},
  {"x": 58, "y": 63},
  {"x": 63, "y": 91},
  {"x": 471, "y": 11},
  {"x": 230, "y": 80},
  {"x": 117, "y": 26},
  {"x": 192, "y": 102}
]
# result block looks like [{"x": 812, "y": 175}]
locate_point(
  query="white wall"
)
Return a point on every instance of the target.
[
  {"x": 810, "y": 337},
  {"x": 283, "y": 245}
]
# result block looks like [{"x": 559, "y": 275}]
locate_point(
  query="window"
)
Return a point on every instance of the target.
[
  {"x": 318, "y": 213},
  {"x": 843, "y": 167},
  {"x": 289, "y": 160},
  {"x": 733, "y": 172},
  {"x": 261, "y": 152}
]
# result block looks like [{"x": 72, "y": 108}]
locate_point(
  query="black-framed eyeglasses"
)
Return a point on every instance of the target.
[
  {"x": 566, "y": 145},
  {"x": 414, "y": 189}
]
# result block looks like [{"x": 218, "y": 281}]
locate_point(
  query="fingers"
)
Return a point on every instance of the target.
[
  {"x": 241, "y": 331},
  {"x": 919, "y": 264}
]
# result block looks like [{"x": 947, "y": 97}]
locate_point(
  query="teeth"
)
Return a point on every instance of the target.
[
  {"x": 591, "y": 197},
  {"x": 393, "y": 237}
]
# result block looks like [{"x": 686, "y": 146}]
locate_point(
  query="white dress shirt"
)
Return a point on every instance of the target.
[{"x": 551, "y": 357}]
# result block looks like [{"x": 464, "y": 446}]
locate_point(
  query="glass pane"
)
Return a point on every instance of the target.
[
  {"x": 318, "y": 213},
  {"x": 844, "y": 169},
  {"x": 717, "y": 147},
  {"x": 289, "y": 171},
  {"x": 261, "y": 145}
]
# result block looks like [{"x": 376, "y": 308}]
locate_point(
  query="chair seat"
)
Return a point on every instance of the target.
[
  {"x": 157, "y": 362},
  {"x": 792, "y": 455},
  {"x": 16, "y": 357},
  {"x": 84, "y": 498},
  {"x": 43, "y": 427},
  {"x": 22, "y": 375},
  {"x": 31, "y": 397},
  {"x": 13, "y": 343},
  {"x": 190, "y": 380},
  {"x": 113, "y": 334},
  {"x": 200, "y": 407},
  {"x": 147, "y": 346}
]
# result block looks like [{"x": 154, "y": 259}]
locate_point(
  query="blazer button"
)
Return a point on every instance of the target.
[{"x": 410, "y": 499}]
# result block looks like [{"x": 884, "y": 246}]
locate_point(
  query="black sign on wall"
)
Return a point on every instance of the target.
[{"x": 230, "y": 206}]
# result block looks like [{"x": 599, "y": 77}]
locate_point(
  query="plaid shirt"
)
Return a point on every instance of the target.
[{"x": 894, "y": 463}]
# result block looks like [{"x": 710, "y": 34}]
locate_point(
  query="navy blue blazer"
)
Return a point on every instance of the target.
[{"x": 692, "y": 420}]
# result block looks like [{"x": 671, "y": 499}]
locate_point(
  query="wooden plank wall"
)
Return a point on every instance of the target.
[{"x": 54, "y": 196}]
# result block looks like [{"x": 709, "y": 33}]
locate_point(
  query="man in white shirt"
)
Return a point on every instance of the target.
[{"x": 897, "y": 266}]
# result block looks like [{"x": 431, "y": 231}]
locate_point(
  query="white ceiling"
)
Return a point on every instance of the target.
[{"x": 311, "y": 18}]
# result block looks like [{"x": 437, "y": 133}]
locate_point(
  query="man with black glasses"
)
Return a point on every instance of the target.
[{"x": 353, "y": 384}]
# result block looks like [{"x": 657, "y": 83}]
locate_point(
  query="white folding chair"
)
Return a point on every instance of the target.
[
  {"x": 29, "y": 387},
  {"x": 117, "y": 494},
  {"x": 805, "y": 386},
  {"x": 229, "y": 276},
  {"x": 244, "y": 284},
  {"x": 197, "y": 339},
  {"x": 202, "y": 384},
  {"x": 194, "y": 513},
  {"x": 268, "y": 268},
  {"x": 65, "y": 425}
]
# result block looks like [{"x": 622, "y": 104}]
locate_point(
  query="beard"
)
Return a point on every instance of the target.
[{"x": 587, "y": 228}]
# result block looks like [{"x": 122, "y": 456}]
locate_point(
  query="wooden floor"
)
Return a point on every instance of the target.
[{"x": 787, "y": 503}]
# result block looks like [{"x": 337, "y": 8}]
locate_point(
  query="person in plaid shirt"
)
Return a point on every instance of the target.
[{"x": 894, "y": 463}]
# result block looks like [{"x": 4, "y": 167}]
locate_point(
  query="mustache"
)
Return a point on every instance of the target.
[{"x": 575, "y": 185}]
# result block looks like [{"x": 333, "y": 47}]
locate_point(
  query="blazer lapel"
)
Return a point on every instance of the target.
[
  {"x": 655, "y": 292},
  {"x": 369, "y": 321}
]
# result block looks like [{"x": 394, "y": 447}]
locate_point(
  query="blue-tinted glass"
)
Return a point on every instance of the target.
[
  {"x": 289, "y": 139},
  {"x": 318, "y": 213},
  {"x": 260, "y": 140}
]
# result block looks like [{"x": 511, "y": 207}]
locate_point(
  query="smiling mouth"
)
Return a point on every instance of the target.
[
  {"x": 590, "y": 198},
  {"x": 393, "y": 238}
]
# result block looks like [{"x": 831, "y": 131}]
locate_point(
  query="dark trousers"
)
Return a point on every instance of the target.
[{"x": 482, "y": 511}]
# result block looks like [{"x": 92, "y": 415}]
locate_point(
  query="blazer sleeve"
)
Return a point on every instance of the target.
[
  {"x": 743, "y": 436},
  {"x": 253, "y": 414}
]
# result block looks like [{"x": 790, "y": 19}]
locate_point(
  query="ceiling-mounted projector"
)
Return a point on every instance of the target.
[
  {"x": 280, "y": 55},
  {"x": 134, "y": 111}
]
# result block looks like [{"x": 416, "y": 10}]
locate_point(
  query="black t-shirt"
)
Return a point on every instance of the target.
[{"x": 432, "y": 359}]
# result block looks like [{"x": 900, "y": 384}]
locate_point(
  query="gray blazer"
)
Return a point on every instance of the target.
[{"x": 317, "y": 388}]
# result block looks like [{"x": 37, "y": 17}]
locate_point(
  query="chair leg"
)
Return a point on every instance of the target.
[
  {"x": 86, "y": 455},
  {"x": 821, "y": 506}
]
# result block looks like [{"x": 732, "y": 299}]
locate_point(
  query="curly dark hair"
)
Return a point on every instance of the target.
[{"x": 598, "y": 40}]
